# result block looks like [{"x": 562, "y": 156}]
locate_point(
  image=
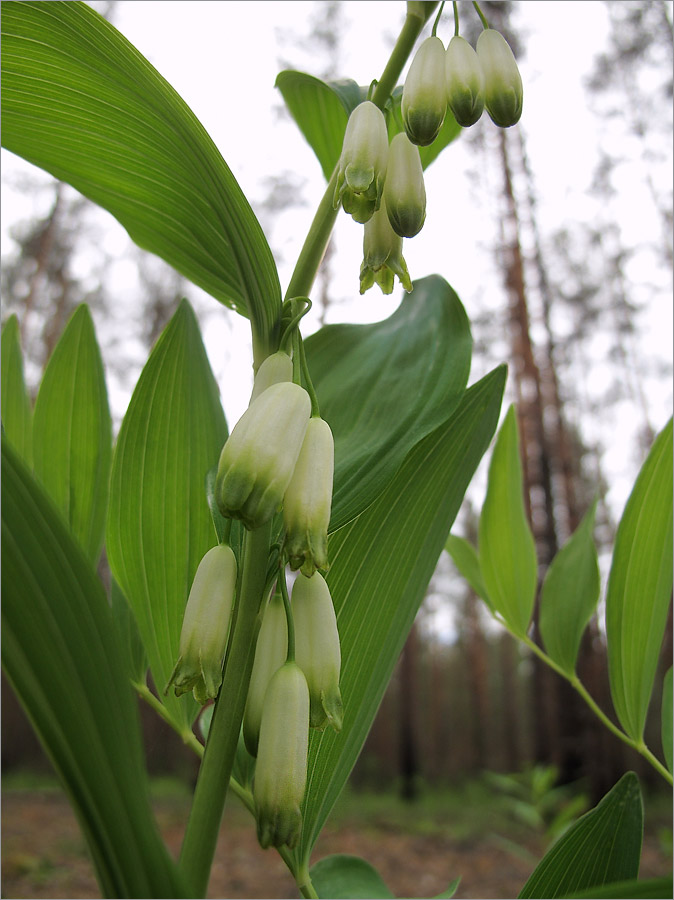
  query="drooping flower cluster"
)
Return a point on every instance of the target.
[
  {"x": 277, "y": 457},
  {"x": 285, "y": 699},
  {"x": 381, "y": 185}
]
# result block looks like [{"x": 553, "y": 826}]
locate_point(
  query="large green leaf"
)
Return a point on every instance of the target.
[
  {"x": 17, "y": 414},
  {"x": 342, "y": 877},
  {"x": 321, "y": 110},
  {"x": 629, "y": 890},
  {"x": 381, "y": 565},
  {"x": 385, "y": 386},
  {"x": 159, "y": 525},
  {"x": 81, "y": 102},
  {"x": 61, "y": 654},
  {"x": 569, "y": 595},
  {"x": 640, "y": 586},
  {"x": 603, "y": 846},
  {"x": 507, "y": 550},
  {"x": 72, "y": 432}
]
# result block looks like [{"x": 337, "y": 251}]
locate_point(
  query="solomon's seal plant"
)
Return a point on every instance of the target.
[{"x": 349, "y": 464}]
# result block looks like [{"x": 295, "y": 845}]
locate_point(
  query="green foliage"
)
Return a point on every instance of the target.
[
  {"x": 381, "y": 565},
  {"x": 17, "y": 414},
  {"x": 640, "y": 587},
  {"x": 603, "y": 846},
  {"x": 467, "y": 562},
  {"x": 81, "y": 102},
  {"x": 506, "y": 548},
  {"x": 341, "y": 876},
  {"x": 159, "y": 525},
  {"x": 72, "y": 432},
  {"x": 62, "y": 656},
  {"x": 321, "y": 110},
  {"x": 415, "y": 365},
  {"x": 629, "y": 890},
  {"x": 569, "y": 595}
]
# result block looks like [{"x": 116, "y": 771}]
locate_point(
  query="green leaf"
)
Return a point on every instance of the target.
[
  {"x": 634, "y": 888},
  {"x": 381, "y": 565},
  {"x": 451, "y": 890},
  {"x": 640, "y": 586},
  {"x": 569, "y": 595},
  {"x": 506, "y": 545},
  {"x": 321, "y": 110},
  {"x": 72, "y": 432},
  {"x": 17, "y": 413},
  {"x": 135, "y": 658},
  {"x": 79, "y": 101},
  {"x": 466, "y": 560},
  {"x": 62, "y": 657},
  {"x": 385, "y": 386},
  {"x": 159, "y": 525},
  {"x": 603, "y": 846},
  {"x": 342, "y": 876},
  {"x": 666, "y": 718}
]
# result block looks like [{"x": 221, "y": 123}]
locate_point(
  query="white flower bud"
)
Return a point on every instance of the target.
[
  {"x": 382, "y": 255},
  {"x": 424, "y": 100},
  {"x": 270, "y": 654},
  {"x": 281, "y": 769},
  {"x": 258, "y": 459},
  {"x": 275, "y": 369},
  {"x": 465, "y": 82},
  {"x": 317, "y": 649},
  {"x": 205, "y": 626},
  {"x": 404, "y": 191},
  {"x": 502, "y": 80},
  {"x": 362, "y": 165},
  {"x": 308, "y": 500}
]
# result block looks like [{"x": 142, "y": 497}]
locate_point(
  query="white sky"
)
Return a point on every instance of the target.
[{"x": 222, "y": 57}]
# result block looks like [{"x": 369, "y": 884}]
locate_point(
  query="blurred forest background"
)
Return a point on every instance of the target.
[{"x": 465, "y": 698}]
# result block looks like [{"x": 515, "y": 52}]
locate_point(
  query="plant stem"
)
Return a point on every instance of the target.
[
  {"x": 290, "y": 657},
  {"x": 186, "y": 734},
  {"x": 404, "y": 46},
  {"x": 580, "y": 688},
  {"x": 315, "y": 244},
  {"x": 304, "y": 883},
  {"x": 481, "y": 15},
  {"x": 203, "y": 824}
]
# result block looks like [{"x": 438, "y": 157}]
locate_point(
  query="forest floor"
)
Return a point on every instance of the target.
[{"x": 417, "y": 850}]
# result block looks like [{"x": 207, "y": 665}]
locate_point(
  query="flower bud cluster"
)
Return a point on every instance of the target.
[
  {"x": 381, "y": 185},
  {"x": 285, "y": 699}
]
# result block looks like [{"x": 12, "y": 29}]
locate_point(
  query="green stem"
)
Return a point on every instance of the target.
[
  {"x": 315, "y": 244},
  {"x": 315, "y": 409},
  {"x": 456, "y": 18},
  {"x": 203, "y": 824},
  {"x": 485, "y": 24},
  {"x": 304, "y": 883},
  {"x": 401, "y": 52},
  {"x": 186, "y": 734},
  {"x": 290, "y": 657},
  {"x": 580, "y": 688},
  {"x": 437, "y": 20}
]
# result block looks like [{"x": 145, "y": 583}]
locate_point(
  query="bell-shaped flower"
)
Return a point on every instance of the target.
[
  {"x": 271, "y": 651},
  {"x": 317, "y": 649},
  {"x": 275, "y": 369},
  {"x": 382, "y": 255},
  {"x": 424, "y": 100},
  {"x": 404, "y": 191},
  {"x": 362, "y": 165},
  {"x": 308, "y": 500},
  {"x": 502, "y": 80},
  {"x": 465, "y": 82},
  {"x": 281, "y": 769},
  {"x": 258, "y": 459},
  {"x": 205, "y": 626}
]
